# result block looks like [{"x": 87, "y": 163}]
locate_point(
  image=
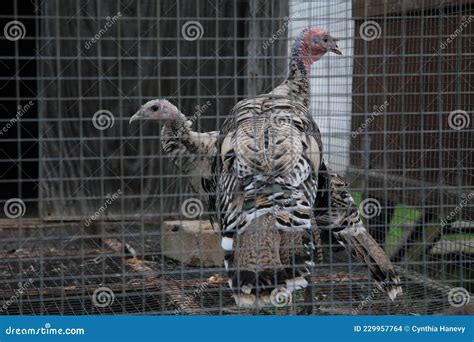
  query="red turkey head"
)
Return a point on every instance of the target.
[{"x": 313, "y": 43}]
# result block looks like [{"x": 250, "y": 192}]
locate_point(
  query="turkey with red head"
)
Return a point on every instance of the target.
[{"x": 266, "y": 178}]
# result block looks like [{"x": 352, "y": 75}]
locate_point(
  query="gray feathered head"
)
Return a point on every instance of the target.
[{"x": 161, "y": 110}]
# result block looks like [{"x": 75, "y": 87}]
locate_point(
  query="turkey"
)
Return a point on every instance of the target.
[
  {"x": 271, "y": 185},
  {"x": 191, "y": 152}
]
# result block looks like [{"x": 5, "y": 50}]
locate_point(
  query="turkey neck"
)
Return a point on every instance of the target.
[
  {"x": 297, "y": 85},
  {"x": 298, "y": 81},
  {"x": 181, "y": 124}
]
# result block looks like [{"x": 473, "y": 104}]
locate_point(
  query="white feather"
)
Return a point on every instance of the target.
[
  {"x": 394, "y": 292},
  {"x": 227, "y": 243},
  {"x": 246, "y": 289},
  {"x": 296, "y": 284}
]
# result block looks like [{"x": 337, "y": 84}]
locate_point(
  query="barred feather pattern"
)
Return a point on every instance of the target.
[
  {"x": 269, "y": 153},
  {"x": 269, "y": 165},
  {"x": 340, "y": 219},
  {"x": 191, "y": 152},
  {"x": 265, "y": 185},
  {"x": 266, "y": 257}
]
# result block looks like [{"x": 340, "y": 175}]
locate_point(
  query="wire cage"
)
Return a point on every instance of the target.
[{"x": 98, "y": 219}]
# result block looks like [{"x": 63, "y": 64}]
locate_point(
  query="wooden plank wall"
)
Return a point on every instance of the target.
[
  {"x": 410, "y": 150},
  {"x": 140, "y": 57}
]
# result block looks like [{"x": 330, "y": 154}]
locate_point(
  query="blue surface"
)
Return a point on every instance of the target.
[{"x": 239, "y": 328}]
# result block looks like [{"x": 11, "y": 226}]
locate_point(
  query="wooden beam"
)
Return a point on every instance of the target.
[
  {"x": 399, "y": 189},
  {"x": 457, "y": 246},
  {"x": 368, "y": 8}
]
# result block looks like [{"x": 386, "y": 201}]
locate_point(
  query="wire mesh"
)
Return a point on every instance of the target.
[{"x": 98, "y": 219}]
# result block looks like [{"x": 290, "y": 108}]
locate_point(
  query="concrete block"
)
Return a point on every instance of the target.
[{"x": 193, "y": 243}]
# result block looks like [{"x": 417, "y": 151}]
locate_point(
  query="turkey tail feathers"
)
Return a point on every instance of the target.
[{"x": 366, "y": 249}]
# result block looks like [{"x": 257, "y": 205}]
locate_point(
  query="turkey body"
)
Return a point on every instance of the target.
[{"x": 265, "y": 184}]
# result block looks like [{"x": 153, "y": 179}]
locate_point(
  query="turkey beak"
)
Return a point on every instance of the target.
[
  {"x": 137, "y": 116},
  {"x": 335, "y": 48}
]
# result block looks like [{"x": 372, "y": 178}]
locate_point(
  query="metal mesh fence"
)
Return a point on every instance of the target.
[{"x": 105, "y": 217}]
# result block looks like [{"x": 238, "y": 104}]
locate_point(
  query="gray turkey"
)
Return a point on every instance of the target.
[
  {"x": 270, "y": 184},
  {"x": 191, "y": 152}
]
